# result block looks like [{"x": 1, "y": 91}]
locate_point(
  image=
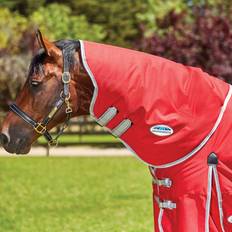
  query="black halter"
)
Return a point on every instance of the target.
[{"x": 41, "y": 127}]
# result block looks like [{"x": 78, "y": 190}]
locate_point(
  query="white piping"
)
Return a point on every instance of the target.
[
  {"x": 190, "y": 154},
  {"x": 95, "y": 93},
  {"x": 209, "y": 192},
  {"x": 219, "y": 196},
  {"x": 161, "y": 212}
]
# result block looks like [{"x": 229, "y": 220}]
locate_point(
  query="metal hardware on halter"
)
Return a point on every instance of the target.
[
  {"x": 68, "y": 109},
  {"x": 66, "y": 77},
  {"x": 53, "y": 142},
  {"x": 40, "y": 128}
]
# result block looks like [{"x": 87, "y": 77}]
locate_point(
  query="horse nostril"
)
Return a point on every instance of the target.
[{"x": 3, "y": 139}]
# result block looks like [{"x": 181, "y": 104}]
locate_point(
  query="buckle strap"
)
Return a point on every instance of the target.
[
  {"x": 167, "y": 204},
  {"x": 107, "y": 116},
  {"x": 122, "y": 128},
  {"x": 164, "y": 182}
]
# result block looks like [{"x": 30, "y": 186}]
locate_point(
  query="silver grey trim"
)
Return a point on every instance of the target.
[
  {"x": 88, "y": 70},
  {"x": 208, "y": 200},
  {"x": 121, "y": 128},
  {"x": 164, "y": 182},
  {"x": 107, "y": 116},
  {"x": 161, "y": 212},
  {"x": 219, "y": 196}
]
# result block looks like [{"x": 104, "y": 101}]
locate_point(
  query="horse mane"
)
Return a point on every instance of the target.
[{"x": 68, "y": 48}]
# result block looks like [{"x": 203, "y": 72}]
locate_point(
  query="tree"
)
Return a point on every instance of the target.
[
  {"x": 57, "y": 22},
  {"x": 12, "y": 25},
  {"x": 118, "y": 18},
  {"x": 204, "y": 41}
]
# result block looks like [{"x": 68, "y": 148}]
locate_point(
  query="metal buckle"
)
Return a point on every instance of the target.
[
  {"x": 66, "y": 77},
  {"x": 167, "y": 204},
  {"x": 65, "y": 97},
  {"x": 68, "y": 110},
  {"x": 164, "y": 182},
  {"x": 40, "y": 128},
  {"x": 53, "y": 142}
]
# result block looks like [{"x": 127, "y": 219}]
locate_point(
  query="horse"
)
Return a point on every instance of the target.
[{"x": 176, "y": 119}]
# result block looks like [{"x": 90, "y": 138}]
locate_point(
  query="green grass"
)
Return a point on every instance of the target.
[
  {"x": 74, "y": 194},
  {"x": 84, "y": 139}
]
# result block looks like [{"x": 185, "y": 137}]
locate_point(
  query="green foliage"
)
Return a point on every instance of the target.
[
  {"x": 12, "y": 25},
  {"x": 24, "y": 7},
  {"x": 157, "y": 9},
  {"x": 57, "y": 22},
  {"x": 118, "y": 18}
]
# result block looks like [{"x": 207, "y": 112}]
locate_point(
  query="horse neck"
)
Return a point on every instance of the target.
[{"x": 83, "y": 86}]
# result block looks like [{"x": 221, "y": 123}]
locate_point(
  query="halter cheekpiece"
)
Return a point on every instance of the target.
[{"x": 41, "y": 127}]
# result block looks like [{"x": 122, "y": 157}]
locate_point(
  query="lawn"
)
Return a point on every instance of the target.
[
  {"x": 73, "y": 139},
  {"x": 74, "y": 194}
]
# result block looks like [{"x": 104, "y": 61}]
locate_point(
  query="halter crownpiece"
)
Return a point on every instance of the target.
[{"x": 41, "y": 127}]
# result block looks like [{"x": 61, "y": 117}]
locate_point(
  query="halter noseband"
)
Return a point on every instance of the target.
[{"x": 41, "y": 127}]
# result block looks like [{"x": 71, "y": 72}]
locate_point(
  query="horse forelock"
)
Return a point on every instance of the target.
[{"x": 68, "y": 47}]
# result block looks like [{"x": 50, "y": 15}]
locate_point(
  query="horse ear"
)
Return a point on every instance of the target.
[{"x": 50, "y": 48}]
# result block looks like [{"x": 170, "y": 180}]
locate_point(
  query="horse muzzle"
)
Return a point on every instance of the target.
[
  {"x": 15, "y": 146},
  {"x": 3, "y": 139}
]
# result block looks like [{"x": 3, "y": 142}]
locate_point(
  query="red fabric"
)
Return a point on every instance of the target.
[
  {"x": 189, "y": 189},
  {"x": 150, "y": 90}
]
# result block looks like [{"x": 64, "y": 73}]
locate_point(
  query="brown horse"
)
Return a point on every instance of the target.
[
  {"x": 43, "y": 89},
  {"x": 177, "y": 119}
]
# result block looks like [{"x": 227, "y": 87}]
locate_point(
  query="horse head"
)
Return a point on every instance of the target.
[{"x": 56, "y": 89}]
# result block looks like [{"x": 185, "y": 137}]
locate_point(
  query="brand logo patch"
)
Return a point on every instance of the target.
[{"x": 161, "y": 130}]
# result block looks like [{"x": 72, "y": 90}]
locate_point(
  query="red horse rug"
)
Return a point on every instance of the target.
[{"x": 177, "y": 120}]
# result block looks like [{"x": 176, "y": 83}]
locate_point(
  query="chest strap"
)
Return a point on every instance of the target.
[
  {"x": 122, "y": 128},
  {"x": 107, "y": 116},
  {"x": 167, "y": 204},
  {"x": 164, "y": 182}
]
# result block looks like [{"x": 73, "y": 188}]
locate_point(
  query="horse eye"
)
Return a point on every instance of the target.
[{"x": 35, "y": 83}]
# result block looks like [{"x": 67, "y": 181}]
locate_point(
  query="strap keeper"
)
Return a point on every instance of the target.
[
  {"x": 164, "y": 182},
  {"x": 66, "y": 77}
]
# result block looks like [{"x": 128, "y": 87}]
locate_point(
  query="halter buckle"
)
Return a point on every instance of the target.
[
  {"x": 66, "y": 78},
  {"x": 53, "y": 142},
  {"x": 40, "y": 128}
]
